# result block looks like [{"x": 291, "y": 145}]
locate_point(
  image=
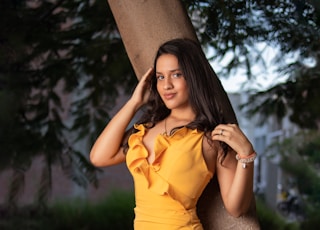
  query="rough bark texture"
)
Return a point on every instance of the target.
[
  {"x": 144, "y": 25},
  {"x": 214, "y": 216}
]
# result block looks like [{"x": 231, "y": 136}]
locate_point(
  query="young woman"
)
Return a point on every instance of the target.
[{"x": 179, "y": 143}]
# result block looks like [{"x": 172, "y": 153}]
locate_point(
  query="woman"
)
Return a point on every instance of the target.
[{"x": 179, "y": 143}]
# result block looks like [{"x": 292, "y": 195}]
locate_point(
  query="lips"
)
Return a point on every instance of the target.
[{"x": 169, "y": 96}]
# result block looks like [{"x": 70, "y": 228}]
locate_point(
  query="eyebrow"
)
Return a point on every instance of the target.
[{"x": 171, "y": 71}]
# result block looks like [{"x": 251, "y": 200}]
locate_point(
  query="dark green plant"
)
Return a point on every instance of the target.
[
  {"x": 313, "y": 221},
  {"x": 115, "y": 212},
  {"x": 235, "y": 29},
  {"x": 49, "y": 50},
  {"x": 269, "y": 219},
  {"x": 300, "y": 160}
]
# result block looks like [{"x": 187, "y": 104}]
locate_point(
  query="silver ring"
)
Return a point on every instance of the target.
[{"x": 221, "y": 132}]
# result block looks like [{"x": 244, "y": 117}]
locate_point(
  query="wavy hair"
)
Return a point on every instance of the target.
[
  {"x": 201, "y": 80},
  {"x": 199, "y": 76}
]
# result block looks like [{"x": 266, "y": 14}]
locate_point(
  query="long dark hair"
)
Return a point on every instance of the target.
[
  {"x": 202, "y": 85},
  {"x": 199, "y": 77}
]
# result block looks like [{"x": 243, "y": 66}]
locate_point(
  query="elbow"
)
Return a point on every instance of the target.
[
  {"x": 103, "y": 160},
  {"x": 97, "y": 163},
  {"x": 235, "y": 213},
  {"x": 94, "y": 159},
  {"x": 238, "y": 211},
  {"x": 238, "y": 208}
]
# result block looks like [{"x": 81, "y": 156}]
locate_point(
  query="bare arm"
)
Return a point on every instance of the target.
[
  {"x": 236, "y": 182},
  {"x": 107, "y": 149}
]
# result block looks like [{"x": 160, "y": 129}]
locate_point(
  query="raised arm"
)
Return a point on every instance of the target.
[
  {"x": 235, "y": 178},
  {"x": 107, "y": 149}
]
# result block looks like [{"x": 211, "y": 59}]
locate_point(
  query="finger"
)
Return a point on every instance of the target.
[
  {"x": 219, "y": 133},
  {"x": 148, "y": 74},
  {"x": 220, "y": 129},
  {"x": 232, "y": 135},
  {"x": 226, "y": 126}
]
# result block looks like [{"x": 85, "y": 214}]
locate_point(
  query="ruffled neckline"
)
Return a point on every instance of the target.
[
  {"x": 138, "y": 162},
  {"x": 177, "y": 134}
]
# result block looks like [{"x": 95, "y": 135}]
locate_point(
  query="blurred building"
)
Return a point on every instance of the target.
[{"x": 269, "y": 179}]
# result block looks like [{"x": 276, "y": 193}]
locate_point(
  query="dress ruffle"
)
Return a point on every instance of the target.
[{"x": 138, "y": 162}]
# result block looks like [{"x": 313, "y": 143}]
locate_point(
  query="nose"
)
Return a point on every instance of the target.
[{"x": 167, "y": 83}]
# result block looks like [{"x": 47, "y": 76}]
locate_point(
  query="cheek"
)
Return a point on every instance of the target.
[
  {"x": 183, "y": 87},
  {"x": 186, "y": 92},
  {"x": 158, "y": 87}
]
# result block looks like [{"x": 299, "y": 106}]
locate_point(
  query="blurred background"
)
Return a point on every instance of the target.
[{"x": 64, "y": 72}]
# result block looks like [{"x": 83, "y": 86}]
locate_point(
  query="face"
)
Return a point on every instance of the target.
[{"x": 171, "y": 83}]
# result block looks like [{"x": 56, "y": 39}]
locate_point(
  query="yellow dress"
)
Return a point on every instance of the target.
[{"x": 167, "y": 190}]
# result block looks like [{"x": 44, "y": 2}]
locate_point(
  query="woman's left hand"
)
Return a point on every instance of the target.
[{"x": 232, "y": 135}]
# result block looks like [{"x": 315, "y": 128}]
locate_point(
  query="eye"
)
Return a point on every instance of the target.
[
  {"x": 160, "y": 77},
  {"x": 176, "y": 75}
]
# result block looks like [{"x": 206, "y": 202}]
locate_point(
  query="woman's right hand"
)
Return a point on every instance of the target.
[
  {"x": 108, "y": 150},
  {"x": 142, "y": 90}
]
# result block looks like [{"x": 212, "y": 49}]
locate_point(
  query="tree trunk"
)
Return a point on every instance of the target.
[{"x": 144, "y": 25}]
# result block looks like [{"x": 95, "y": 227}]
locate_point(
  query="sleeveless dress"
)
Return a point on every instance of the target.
[{"x": 167, "y": 190}]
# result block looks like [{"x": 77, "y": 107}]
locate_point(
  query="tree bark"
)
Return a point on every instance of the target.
[{"x": 144, "y": 25}]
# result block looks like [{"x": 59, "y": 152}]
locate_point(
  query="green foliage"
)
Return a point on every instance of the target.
[
  {"x": 313, "y": 221},
  {"x": 269, "y": 219},
  {"x": 235, "y": 29},
  {"x": 115, "y": 212},
  {"x": 296, "y": 97},
  {"x": 61, "y": 63},
  {"x": 300, "y": 159},
  {"x": 236, "y": 26}
]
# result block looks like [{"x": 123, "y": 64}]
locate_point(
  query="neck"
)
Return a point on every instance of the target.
[
  {"x": 185, "y": 115},
  {"x": 175, "y": 120}
]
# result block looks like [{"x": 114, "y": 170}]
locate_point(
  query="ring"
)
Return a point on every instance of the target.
[{"x": 221, "y": 132}]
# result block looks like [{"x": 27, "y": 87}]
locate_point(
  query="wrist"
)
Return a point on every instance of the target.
[
  {"x": 245, "y": 159},
  {"x": 246, "y": 156},
  {"x": 134, "y": 104}
]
